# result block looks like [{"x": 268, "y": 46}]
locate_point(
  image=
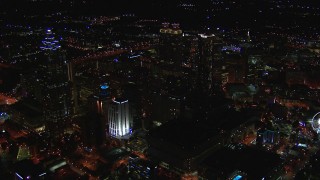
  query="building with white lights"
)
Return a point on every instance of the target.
[
  {"x": 120, "y": 119},
  {"x": 205, "y": 62}
]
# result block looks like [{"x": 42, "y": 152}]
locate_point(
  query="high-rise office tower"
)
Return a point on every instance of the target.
[
  {"x": 95, "y": 126},
  {"x": 205, "y": 63},
  {"x": 255, "y": 67},
  {"x": 54, "y": 76},
  {"x": 120, "y": 119},
  {"x": 190, "y": 51},
  {"x": 99, "y": 103},
  {"x": 171, "y": 45}
]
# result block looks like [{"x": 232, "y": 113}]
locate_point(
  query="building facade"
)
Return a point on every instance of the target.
[
  {"x": 120, "y": 118},
  {"x": 54, "y": 77}
]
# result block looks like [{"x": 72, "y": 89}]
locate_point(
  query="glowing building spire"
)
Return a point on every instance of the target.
[{"x": 50, "y": 43}]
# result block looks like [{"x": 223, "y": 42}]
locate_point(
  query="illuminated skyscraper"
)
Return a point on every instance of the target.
[
  {"x": 205, "y": 63},
  {"x": 54, "y": 80},
  {"x": 100, "y": 101},
  {"x": 95, "y": 128},
  {"x": 120, "y": 119},
  {"x": 50, "y": 43},
  {"x": 171, "y": 45}
]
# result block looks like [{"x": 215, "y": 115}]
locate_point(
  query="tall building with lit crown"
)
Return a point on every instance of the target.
[
  {"x": 54, "y": 79},
  {"x": 100, "y": 102},
  {"x": 171, "y": 45},
  {"x": 120, "y": 119},
  {"x": 95, "y": 129},
  {"x": 205, "y": 62}
]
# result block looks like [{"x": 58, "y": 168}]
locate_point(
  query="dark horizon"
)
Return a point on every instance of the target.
[{"x": 249, "y": 14}]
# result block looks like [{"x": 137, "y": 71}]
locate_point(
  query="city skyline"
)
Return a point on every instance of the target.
[{"x": 172, "y": 90}]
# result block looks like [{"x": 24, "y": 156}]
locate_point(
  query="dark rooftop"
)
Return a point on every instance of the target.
[
  {"x": 115, "y": 154},
  {"x": 29, "y": 108},
  {"x": 254, "y": 162},
  {"x": 191, "y": 134},
  {"x": 26, "y": 168}
]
